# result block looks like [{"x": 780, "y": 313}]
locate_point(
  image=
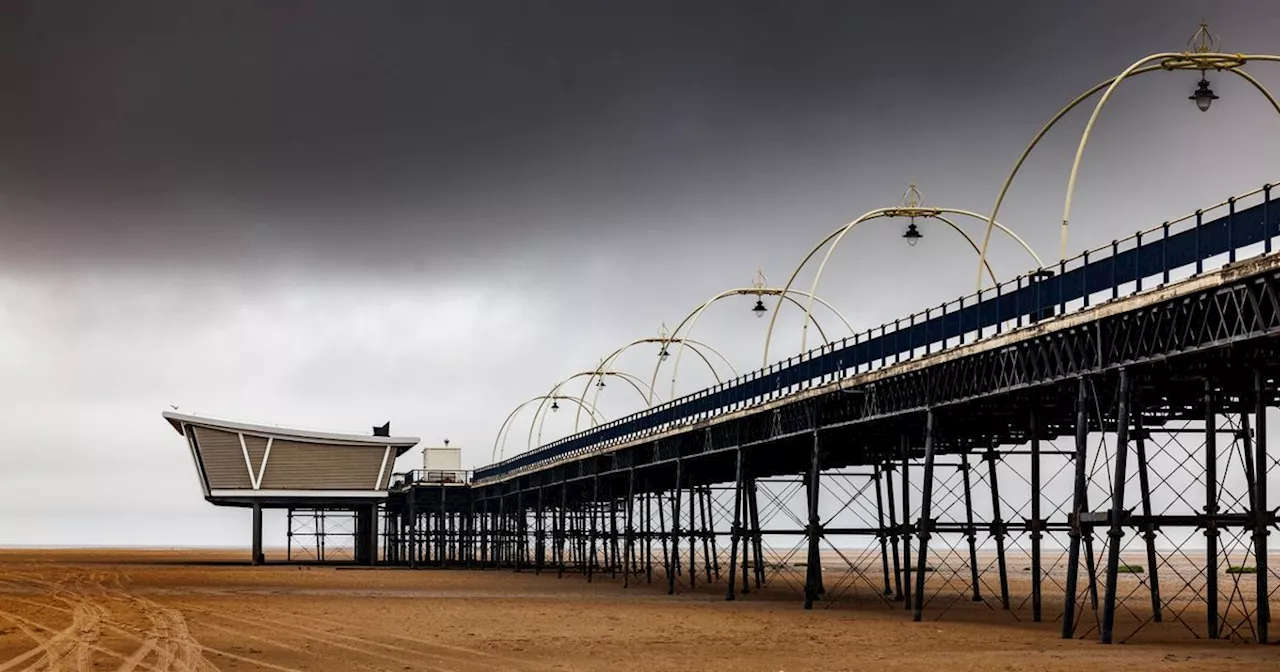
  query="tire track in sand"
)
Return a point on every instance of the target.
[
  {"x": 42, "y": 648},
  {"x": 84, "y": 595},
  {"x": 453, "y": 650},
  {"x": 252, "y": 628},
  {"x": 174, "y": 644},
  {"x": 132, "y": 633},
  {"x": 69, "y": 648}
]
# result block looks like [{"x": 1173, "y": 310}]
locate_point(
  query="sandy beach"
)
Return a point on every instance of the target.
[{"x": 206, "y": 610}]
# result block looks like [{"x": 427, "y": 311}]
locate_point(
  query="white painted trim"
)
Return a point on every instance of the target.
[
  {"x": 383, "y": 469},
  {"x": 248, "y": 464},
  {"x": 192, "y": 439},
  {"x": 404, "y": 442},
  {"x": 262, "y": 468},
  {"x": 260, "y": 494}
]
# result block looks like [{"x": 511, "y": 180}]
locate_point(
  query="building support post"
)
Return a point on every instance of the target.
[
  {"x": 370, "y": 540},
  {"x": 257, "y": 556}
]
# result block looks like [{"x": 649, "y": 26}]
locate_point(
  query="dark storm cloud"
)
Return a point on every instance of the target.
[
  {"x": 399, "y": 130},
  {"x": 331, "y": 214}
]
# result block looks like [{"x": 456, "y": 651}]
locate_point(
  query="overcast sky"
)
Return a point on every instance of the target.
[{"x": 334, "y": 214}]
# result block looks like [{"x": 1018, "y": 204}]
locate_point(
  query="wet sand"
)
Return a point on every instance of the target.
[{"x": 204, "y": 610}]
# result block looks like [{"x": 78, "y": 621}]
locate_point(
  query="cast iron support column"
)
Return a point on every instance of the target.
[
  {"x": 926, "y": 500},
  {"x": 256, "y": 550},
  {"x": 520, "y": 531},
  {"x": 583, "y": 538},
  {"x": 675, "y": 534},
  {"x": 1149, "y": 528},
  {"x": 997, "y": 528},
  {"x": 1077, "y": 508},
  {"x": 1037, "y": 523},
  {"x": 471, "y": 533},
  {"x": 906, "y": 523},
  {"x": 663, "y": 537},
  {"x": 595, "y": 508},
  {"x": 583, "y": 533},
  {"x": 560, "y": 541},
  {"x": 628, "y": 531},
  {"x": 413, "y": 527},
  {"x": 522, "y": 526},
  {"x": 499, "y": 532},
  {"x": 490, "y": 536},
  {"x": 880, "y": 531},
  {"x": 704, "y": 502},
  {"x": 813, "y": 577},
  {"x": 757, "y": 535},
  {"x": 693, "y": 537},
  {"x": 734, "y": 530},
  {"x": 648, "y": 535},
  {"x": 1211, "y": 508},
  {"x": 1261, "y": 510},
  {"x": 441, "y": 539},
  {"x": 540, "y": 543},
  {"x": 613, "y": 536},
  {"x": 970, "y": 532},
  {"x": 893, "y": 527},
  {"x": 1118, "y": 512}
]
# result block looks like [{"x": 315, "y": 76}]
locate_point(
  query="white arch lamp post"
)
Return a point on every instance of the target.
[
  {"x": 912, "y": 207},
  {"x": 599, "y": 374},
  {"x": 759, "y": 288},
  {"x": 1202, "y": 54},
  {"x": 664, "y": 340},
  {"x": 500, "y": 441}
]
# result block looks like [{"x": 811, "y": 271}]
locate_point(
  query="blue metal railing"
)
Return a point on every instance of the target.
[{"x": 1115, "y": 270}]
